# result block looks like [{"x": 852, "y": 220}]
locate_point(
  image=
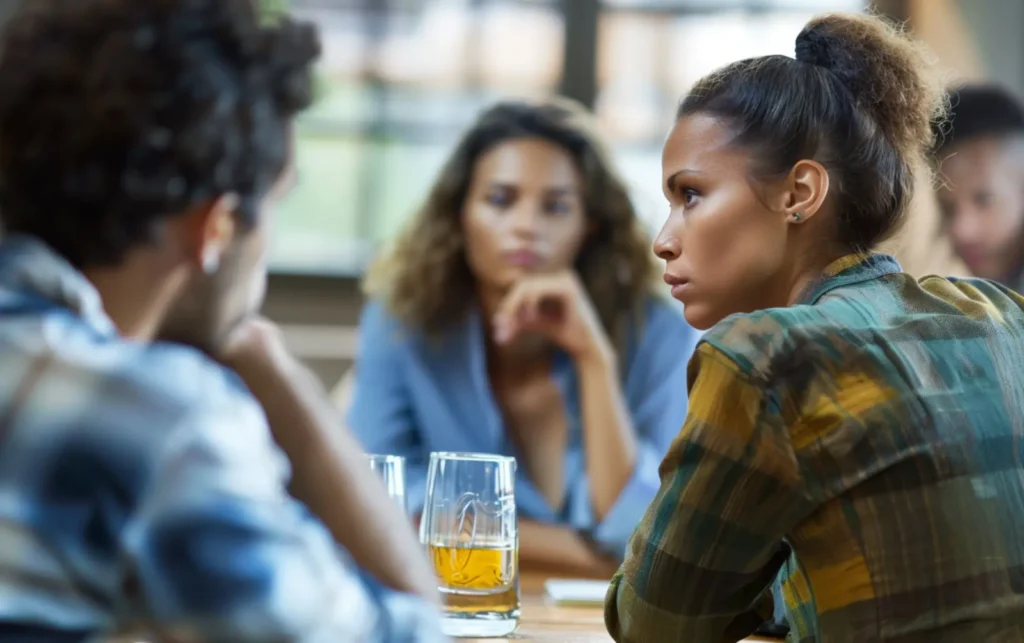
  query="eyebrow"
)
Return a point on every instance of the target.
[
  {"x": 670, "y": 183},
  {"x": 558, "y": 190},
  {"x": 562, "y": 190}
]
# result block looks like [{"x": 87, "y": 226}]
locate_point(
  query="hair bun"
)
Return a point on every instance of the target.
[
  {"x": 813, "y": 48},
  {"x": 887, "y": 73},
  {"x": 818, "y": 45}
]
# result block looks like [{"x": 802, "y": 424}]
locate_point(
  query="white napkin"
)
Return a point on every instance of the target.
[{"x": 576, "y": 592}]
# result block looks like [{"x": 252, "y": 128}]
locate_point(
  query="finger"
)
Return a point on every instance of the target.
[
  {"x": 539, "y": 312},
  {"x": 506, "y": 319},
  {"x": 522, "y": 310},
  {"x": 525, "y": 316}
]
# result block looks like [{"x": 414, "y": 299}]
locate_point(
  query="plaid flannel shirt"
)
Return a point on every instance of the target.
[
  {"x": 876, "y": 432},
  {"x": 140, "y": 488}
]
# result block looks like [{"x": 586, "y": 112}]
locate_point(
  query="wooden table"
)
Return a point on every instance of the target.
[{"x": 542, "y": 622}]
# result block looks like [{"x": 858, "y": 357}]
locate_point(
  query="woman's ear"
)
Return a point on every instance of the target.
[{"x": 806, "y": 188}]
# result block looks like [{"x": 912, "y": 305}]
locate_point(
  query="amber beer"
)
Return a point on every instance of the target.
[
  {"x": 480, "y": 580},
  {"x": 470, "y": 532}
]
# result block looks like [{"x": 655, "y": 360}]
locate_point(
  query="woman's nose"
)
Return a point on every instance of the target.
[
  {"x": 526, "y": 219},
  {"x": 667, "y": 245}
]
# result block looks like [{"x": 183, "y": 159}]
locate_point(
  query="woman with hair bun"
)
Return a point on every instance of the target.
[{"x": 854, "y": 435}]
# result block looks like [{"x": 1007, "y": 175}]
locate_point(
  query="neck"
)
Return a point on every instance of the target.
[
  {"x": 136, "y": 295},
  {"x": 1015, "y": 273},
  {"x": 809, "y": 272}
]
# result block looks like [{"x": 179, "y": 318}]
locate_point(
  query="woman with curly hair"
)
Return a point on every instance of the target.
[{"x": 516, "y": 314}]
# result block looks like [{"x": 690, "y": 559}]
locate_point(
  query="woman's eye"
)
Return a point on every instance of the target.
[
  {"x": 557, "y": 207},
  {"x": 690, "y": 197},
  {"x": 500, "y": 198}
]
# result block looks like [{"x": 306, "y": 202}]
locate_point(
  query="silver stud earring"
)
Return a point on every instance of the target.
[
  {"x": 211, "y": 261},
  {"x": 797, "y": 217}
]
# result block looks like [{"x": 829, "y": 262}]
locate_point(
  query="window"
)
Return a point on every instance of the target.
[{"x": 401, "y": 79}]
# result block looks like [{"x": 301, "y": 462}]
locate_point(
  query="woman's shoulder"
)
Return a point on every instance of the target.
[
  {"x": 759, "y": 342},
  {"x": 381, "y": 328}
]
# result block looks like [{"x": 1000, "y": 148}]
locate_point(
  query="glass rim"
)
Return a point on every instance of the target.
[
  {"x": 467, "y": 456},
  {"x": 384, "y": 457}
]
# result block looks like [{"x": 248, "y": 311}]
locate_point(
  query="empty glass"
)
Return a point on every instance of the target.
[
  {"x": 469, "y": 528},
  {"x": 391, "y": 469}
]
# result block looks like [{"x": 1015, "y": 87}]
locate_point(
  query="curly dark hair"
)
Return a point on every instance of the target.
[
  {"x": 424, "y": 278},
  {"x": 117, "y": 114},
  {"x": 978, "y": 111}
]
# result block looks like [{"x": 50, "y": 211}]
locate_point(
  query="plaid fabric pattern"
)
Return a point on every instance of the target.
[
  {"x": 140, "y": 488},
  {"x": 863, "y": 450}
]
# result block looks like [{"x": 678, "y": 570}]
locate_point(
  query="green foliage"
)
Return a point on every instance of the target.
[{"x": 273, "y": 9}]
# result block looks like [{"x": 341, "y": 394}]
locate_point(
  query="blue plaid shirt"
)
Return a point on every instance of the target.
[{"x": 140, "y": 488}]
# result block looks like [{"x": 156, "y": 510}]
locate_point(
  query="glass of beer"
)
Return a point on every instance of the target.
[
  {"x": 469, "y": 528},
  {"x": 391, "y": 469}
]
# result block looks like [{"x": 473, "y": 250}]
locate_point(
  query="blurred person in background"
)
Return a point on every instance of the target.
[
  {"x": 923, "y": 246},
  {"x": 517, "y": 314},
  {"x": 143, "y": 148},
  {"x": 854, "y": 434},
  {"x": 980, "y": 161}
]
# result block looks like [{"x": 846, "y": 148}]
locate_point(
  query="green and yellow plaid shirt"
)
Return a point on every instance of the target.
[{"x": 876, "y": 431}]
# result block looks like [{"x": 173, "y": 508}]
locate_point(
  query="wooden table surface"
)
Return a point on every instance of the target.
[{"x": 542, "y": 622}]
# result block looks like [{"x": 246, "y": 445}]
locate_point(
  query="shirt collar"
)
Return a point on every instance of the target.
[
  {"x": 28, "y": 267},
  {"x": 846, "y": 271}
]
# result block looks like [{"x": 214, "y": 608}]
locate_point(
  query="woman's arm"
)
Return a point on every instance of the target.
[
  {"x": 555, "y": 548},
  {"x": 610, "y": 442},
  {"x": 732, "y": 486},
  {"x": 628, "y": 426}
]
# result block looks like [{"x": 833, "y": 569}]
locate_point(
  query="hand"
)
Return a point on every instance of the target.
[
  {"x": 255, "y": 350},
  {"x": 557, "y": 307},
  {"x": 255, "y": 339}
]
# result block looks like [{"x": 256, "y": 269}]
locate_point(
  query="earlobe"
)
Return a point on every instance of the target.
[
  {"x": 217, "y": 231},
  {"x": 211, "y": 260},
  {"x": 809, "y": 185}
]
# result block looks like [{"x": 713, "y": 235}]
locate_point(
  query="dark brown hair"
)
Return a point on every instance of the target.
[
  {"x": 424, "y": 278},
  {"x": 857, "y": 98},
  {"x": 116, "y": 115}
]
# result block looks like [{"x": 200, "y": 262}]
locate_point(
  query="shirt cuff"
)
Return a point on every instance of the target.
[{"x": 402, "y": 617}]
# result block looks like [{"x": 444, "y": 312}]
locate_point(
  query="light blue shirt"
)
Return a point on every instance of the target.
[
  {"x": 140, "y": 486},
  {"x": 415, "y": 395}
]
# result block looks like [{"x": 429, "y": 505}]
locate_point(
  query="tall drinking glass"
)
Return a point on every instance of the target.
[
  {"x": 469, "y": 528},
  {"x": 391, "y": 469}
]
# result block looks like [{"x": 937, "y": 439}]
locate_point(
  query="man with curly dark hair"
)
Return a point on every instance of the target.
[{"x": 143, "y": 146}]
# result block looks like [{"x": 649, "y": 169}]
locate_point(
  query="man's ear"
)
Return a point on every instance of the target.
[{"x": 211, "y": 228}]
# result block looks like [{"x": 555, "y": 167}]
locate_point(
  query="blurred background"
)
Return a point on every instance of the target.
[{"x": 400, "y": 79}]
